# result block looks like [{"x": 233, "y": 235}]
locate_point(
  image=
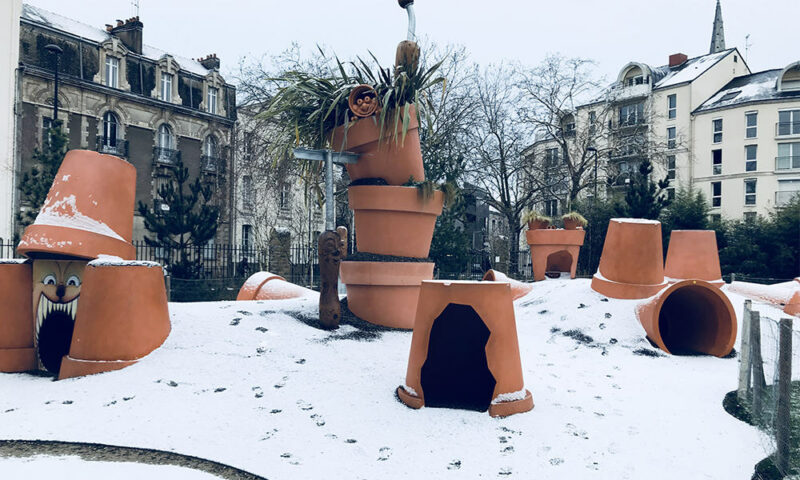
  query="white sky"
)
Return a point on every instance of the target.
[{"x": 611, "y": 32}]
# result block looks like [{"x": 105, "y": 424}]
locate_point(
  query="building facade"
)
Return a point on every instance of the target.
[
  {"x": 9, "y": 52},
  {"x": 122, "y": 97}
]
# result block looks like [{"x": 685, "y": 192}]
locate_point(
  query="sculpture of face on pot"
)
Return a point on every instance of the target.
[{"x": 56, "y": 289}]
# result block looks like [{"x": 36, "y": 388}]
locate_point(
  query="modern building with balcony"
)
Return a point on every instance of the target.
[{"x": 120, "y": 96}]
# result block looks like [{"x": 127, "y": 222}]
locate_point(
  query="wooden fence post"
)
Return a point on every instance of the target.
[
  {"x": 744, "y": 355},
  {"x": 759, "y": 382},
  {"x": 782, "y": 417}
]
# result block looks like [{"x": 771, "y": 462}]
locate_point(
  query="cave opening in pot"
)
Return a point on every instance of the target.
[
  {"x": 456, "y": 372},
  {"x": 693, "y": 320},
  {"x": 559, "y": 262}
]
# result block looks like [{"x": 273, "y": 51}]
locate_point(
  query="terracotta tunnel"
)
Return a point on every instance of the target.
[
  {"x": 689, "y": 317},
  {"x": 268, "y": 286},
  {"x": 518, "y": 289}
]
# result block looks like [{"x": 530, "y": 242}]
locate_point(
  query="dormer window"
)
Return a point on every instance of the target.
[
  {"x": 789, "y": 80},
  {"x": 166, "y": 87},
  {"x": 637, "y": 80},
  {"x": 211, "y": 106},
  {"x": 112, "y": 72}
]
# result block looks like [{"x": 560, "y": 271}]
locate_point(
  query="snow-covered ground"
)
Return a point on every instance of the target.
[
  {"x": 246, "y": 384},
  {"x": 74, "y": 468}
]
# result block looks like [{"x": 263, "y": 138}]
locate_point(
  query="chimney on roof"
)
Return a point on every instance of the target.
[
  {"x": 677, "y": 59},
  {"x": 130, "y": 33},
  {"x": 210, "y": 62}
]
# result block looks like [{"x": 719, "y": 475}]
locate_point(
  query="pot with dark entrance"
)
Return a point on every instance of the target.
[
  {"x": 464, "y": 350},
  {"x": 554, "y": 251}
]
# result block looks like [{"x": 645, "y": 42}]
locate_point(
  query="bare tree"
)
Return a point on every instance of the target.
[{"x": 498, "y": 138}]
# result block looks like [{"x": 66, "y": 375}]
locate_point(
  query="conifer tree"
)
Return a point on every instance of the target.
[
  {"x": 36, "y": 182},
  {"x": 183, "y": 219},
  {"x": 644, "y": 198}
]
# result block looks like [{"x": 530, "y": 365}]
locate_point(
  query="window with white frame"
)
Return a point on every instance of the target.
[
  {"x": 716, "y": 194},
  {"x": 212, "y": 101},
  {"x": 551, "y": 207},
  {"x": 751, "y": 124},
  {"x": 716, "y": 162},
  {"x": 672, "y": 106},
  {"x": 750, "y": 191},
  {"x": 632, "y": 114},
  {"x": 166, "y": 144},
  {"x": 47, "y": 124},
  {"x": 671, "y": 167},
  {"x": 717, "y": 127},
  {"x": 166, "y": 87},
  {"x": 110, "y": 124},
  {"x": 750, "y": 158},
  {"x": 789, "y": 122},
  {"x": 788, "y": 156},
  {"x": 551, "y": 157},
  {"x": 787, "y": 190},
  {"x": 672, "y": 137},
  {"x": 112, "y": 71}
]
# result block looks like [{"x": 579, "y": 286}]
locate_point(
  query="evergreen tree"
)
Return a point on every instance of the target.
[
  {"x": 184, "y": 220},
  {"x": 644, "y": 198},
  {"x": 450, "y": 248},
  {"x": 688, "y": 211},
  {"x": 36, "y": 182}
]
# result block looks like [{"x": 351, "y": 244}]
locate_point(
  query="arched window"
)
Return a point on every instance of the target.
[
  {"x": 210, "y": 154},
  {"x": 165, "y": 151},
  {"x": 110, "y": 130}
]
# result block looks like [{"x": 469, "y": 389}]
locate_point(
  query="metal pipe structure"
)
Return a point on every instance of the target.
[
  {"x": 408, "y": 5},
  {"x": 57, "y": 51}
]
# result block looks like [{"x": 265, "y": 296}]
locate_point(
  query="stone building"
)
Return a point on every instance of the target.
[{"x": 120, "y": 96}]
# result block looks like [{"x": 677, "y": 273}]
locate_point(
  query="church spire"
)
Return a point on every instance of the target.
[{"x": 718, "y": 34}]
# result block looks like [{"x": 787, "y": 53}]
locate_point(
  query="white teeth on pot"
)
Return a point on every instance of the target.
[{"x": 46, "y": 307}]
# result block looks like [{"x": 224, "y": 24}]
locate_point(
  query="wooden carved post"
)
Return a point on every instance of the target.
[
  {"x": 783, "y": 416},
  {"x": 759, "y": 381},
  {"x": 330, "y": 255},
  {"x": 744, "y": 355}
]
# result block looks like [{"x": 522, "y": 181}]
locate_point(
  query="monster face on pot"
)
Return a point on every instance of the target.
[{"x": 56, "y": 290}]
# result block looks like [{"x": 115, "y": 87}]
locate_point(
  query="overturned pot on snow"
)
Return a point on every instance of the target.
[
  {"x": 17, "y": 352},
  {"x": 116, "y": 325},
  {"x": 388, "y": 156},
  {"x": 690, "y": 316},
  {"x": 554, "y": 250},
  {"x": 384, "y": 293},
  {"x": 632, "y": 262},
  {"x": 518, "y": 289},
  {"x": 792, "y": 307},
  {"x": 392, "y": 220},
  {"x": 465, "y": 351},
  {"x": 268, "y": 286},
  {"x": 693, "y": 254}
]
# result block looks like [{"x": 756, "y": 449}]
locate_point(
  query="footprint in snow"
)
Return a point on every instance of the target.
[
  {"x": 10, "y": 410},
  {"x": 318, "y": 420},
  {"x": 235, "y": 322},
  {"x": 258, "y": 392},
  {"x": 305, "y": 406},
  {"x": 282, "y": 383},
  {"x": 504, "y": 472},
  {"x": 67, "y": 402},
  {"x": 608, "y": 315},
  {"x": 503, "y": 439},
  {"x": 384, "y": 453},
  {"x": 555, "y": 461},
  {"x": 302, "y": 361},
  {"x": 507, "y": 450},
  {"x": 269, "y": 435},
  {"x": 275, "y": 410},
  {"x": 582, "y": 305},
  {"x": 351, "y": 440},
  {"x": 262, "y": 329},
  {"x": 454, "y": 465},
  {"x": 112, "y": 402},
  {"x": 243, "y": 312},
  {"x": 219, "y": 389}
]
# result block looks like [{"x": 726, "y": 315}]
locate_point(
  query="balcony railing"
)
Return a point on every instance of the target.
[
  {"x": 166, "y": 156},
  {"x": 787, "y": 128},
  {"x": 112, "y": 146},
  {"x": 787, "y": 163},
  {"x": 210, "y": 164},
  {"x": 783, "y": 198}
]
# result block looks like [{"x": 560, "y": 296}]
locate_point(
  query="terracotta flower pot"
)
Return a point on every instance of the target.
[
  {"x": 571, "y": 224},
  {"x": 554, "y": 250},
  {"x": 538, "y": 224},
  {"x": 778, "y": 294},
  {"x": 394, "y": 220},
  {"x": 632, "y": 262},
  {"x": 688, "y": 317},
  {"x": 268, "y": 286},
  {"x": 116, "y": 325},
  {"x": 363, "y": 101},
  {"x": 384, "y": 293},
  {"x": 464, "y": 350},
  {"x": 17, "y": 353},
  {"x": 793, "y": 305},
  {"x": 390, "y": 158},
  {"x": 693, "y": 254},
  {"x": 88, "y": 210},
  {"x": 518, "y": 289}
]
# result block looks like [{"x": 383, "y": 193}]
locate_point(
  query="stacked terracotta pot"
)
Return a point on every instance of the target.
[{"x": 390, "y": 220}]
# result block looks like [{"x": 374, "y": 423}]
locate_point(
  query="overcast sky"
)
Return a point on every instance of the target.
[{"x": 611, "y": 32}]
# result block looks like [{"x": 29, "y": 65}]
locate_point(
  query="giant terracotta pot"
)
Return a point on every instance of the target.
[
  {"x": 392, "y": 159},
  {"x": 393, "y": 220},
  {"x": 465, "y": 351},
  {"x": 778, "y": 294},
  {"x": 518, "y": 289},
  {"x": 693, "y": 254},
  {"x": 268, "y": 286},
  {"x": 88, "y": 210},
  {"x": 122, "y": 317},
  {"x": 554, "y": 250},
  {"x": 792, "y": 307},
  {"x": 632, "y": 262},
  {"x": 17, "y": 353},
  {"x": 690, "y": 316},
  {"x": 384, "y": 293}
]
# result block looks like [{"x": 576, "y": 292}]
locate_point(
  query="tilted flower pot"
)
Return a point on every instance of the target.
[
  {"x": 392, "y": 158},
  {"x": 554, "y": 250},
  {"x": 17, "y": 353},
  {"x": 632, "y": 262},
  {"x": 117, "y": 324},
  {"x": 518, "y": 289},
  {"x": 393, "y": 220},
  {"x": 465, "y": 351},
  {"x": 384, "y": 293},
  {"x": 268, "y": 286},
  {"x": 693, "y": 254},
  {"x": 691, "y": 316}
]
